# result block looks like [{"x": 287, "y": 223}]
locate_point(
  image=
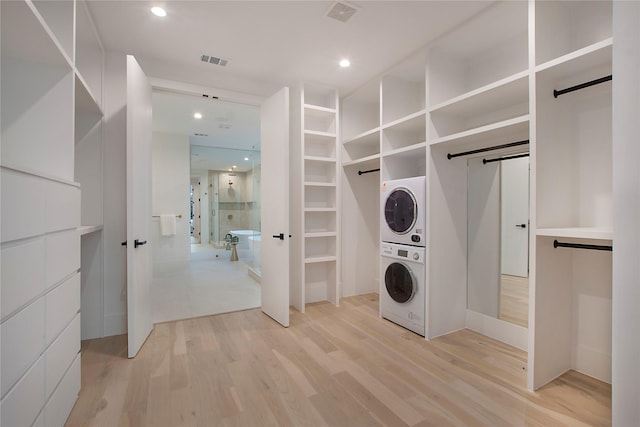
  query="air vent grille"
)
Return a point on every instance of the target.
[
  {"x": 214, "y": 60},
  {"x": 341, "y": 11}
]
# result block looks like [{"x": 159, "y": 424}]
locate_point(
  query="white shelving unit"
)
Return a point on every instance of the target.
[
  {"x": 478, "y": 98},
  {"x": 49, "y": 63},
  {"x": 571, "y": 296},
  {"x": 315, "y": 251}
]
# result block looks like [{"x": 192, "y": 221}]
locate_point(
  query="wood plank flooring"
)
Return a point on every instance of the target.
[
  {"x": 514, "y": 299},
  {"x": 332, "y": 367}
]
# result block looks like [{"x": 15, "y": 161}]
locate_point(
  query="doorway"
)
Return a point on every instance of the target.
[{"x": 206, "y": 163}]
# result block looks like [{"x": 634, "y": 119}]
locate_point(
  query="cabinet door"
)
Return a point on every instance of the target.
[{"x": 274, "y": 131}]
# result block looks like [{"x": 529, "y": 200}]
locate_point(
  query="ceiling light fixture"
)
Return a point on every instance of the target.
[
  {"x": 246, "y": 159},
  {"x": 197, "y": 115},
  {"x": 234, "y": 166},
  {"x": 158, "y": 11},
  {"x": 345, "y": 63}
]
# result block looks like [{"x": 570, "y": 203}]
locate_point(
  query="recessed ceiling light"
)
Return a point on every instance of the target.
[
  {"x": 230, "y": 170},
  {"x": 234, "y": 166},
  {"x": 345, "y": 63},
  {"x": 246, "y": 159},
  {"x": 158, "y": 11},
  {"x": 197, "y": 115}
]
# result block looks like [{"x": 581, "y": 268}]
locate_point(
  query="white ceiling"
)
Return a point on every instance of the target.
[{"x": 269, "y": 44}]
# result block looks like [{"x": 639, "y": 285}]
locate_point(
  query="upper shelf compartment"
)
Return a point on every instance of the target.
[
  {"x": 361, "y": 112},
  {"x": 403, "y": 90},
  {"x": 462, "y": 61},
  {"x": 89, "y": 53},
  {"x": 58, "y": 17},
  {"x": 563, "y": 27}
]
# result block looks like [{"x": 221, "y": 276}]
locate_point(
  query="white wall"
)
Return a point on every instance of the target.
[
  {"x": 170, "y": 172},
  {"x": 626, "y": 203},
  {"x": 115, "y": 202}
]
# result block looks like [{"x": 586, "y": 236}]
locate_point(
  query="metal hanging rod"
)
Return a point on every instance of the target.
[
  {"x": 158, "y": 216},
  {"x": 557, "y": 244},
  {"x": 557, "y": 93},
  {"x": 499, "y": 159},
  {"x": 369, "y": 171},
  {"x": 483, "y": 150}
]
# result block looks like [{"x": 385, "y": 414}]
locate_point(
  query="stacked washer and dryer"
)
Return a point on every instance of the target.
[{"x": 403, "y": 272}]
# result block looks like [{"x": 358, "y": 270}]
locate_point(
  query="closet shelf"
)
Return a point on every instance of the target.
[
  {"x": 319, "y": 184},
  {"x": 319, "y": 133},
  {"x": 318, "y": 110},
  {"x": 320, "y": 258},
  {"x": 365, "y": 162},
  {"x": 320, "y": 209},
  {"x": 369, "y": 137},
  {"x": 320, "y": 159},
  {"x": 87, "y": 229},
  {"x": 517, "y": 126},
  {"x": 405, "y": 150},
  {"x": 580, "y": 60},
  {"x": 85, "y": 101},
  {"x": 512, "y": 90},
  {"x": 320, "y": 234},
  {"x": 38, "y": 174},
  {"x": 409, "y": 122},
  {"x": 597, "y": 233}
]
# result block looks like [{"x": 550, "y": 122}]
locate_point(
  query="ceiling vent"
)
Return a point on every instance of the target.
[
  {"x": 341, "y": 11},
  {"x": 214, "y": 60},
  {"x": 200, "y": 134}
]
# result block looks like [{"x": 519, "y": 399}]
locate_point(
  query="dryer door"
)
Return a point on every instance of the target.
[
  {"x": 400, "y": 282},
  {"x": 400, "y": 210}
]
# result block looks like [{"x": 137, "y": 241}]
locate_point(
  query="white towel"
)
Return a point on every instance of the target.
[{"x": 167, "y": 225}]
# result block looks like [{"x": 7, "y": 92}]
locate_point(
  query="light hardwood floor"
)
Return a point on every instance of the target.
[
  {"x": 514, "y": 299},
  {"x": 332, "y": 367}
]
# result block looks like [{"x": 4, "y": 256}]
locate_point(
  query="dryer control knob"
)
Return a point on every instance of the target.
[{"x": 416, "y": 256}]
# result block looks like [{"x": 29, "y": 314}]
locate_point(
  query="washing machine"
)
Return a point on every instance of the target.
[
  {"x": 403, "y": 211},
  {"x": 402, "y": 297}
]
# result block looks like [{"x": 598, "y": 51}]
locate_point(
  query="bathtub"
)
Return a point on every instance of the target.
[{"x": 244, "y": 236}]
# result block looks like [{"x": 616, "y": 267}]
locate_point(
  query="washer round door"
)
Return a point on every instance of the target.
[
  {"x": 400, "y": 282},
  {"x": 400, "y": 211}
]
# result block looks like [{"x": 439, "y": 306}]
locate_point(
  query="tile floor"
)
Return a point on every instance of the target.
[{"x": 212, "y": 285}]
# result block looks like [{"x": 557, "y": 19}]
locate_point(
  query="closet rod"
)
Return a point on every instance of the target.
[
  {"x": 557, "y": 93},
  {"x": 557, "y": 244},
  {"x": 482, "y": 150},
  {"x": 369, "y": 171},
  {"x": 499, "y": 159}
]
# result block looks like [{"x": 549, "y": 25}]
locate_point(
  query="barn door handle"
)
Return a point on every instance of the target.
[{"x": 137, "y": 243}]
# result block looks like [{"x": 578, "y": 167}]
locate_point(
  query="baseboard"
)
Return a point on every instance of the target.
[{"x": 508, "y": 333}]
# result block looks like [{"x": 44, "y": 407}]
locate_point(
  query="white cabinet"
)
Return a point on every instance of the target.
[
  {"x": 315, "y": 195},
  {"x": 51, "y": 147}
]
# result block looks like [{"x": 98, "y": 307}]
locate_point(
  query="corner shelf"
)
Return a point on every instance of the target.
[{"x": 592, "y": 233}]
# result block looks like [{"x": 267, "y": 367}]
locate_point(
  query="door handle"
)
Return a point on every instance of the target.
[
  {"x": 137, "y": 243},
  {"x": 124, "y": 243},
  {"x": 280, "y": 236},
  {"x": 521, "y": 225}
]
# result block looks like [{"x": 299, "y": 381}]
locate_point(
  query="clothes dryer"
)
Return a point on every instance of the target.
[
  {"x": 403, "y": 207},
  {"x": 403, "y": 293}
]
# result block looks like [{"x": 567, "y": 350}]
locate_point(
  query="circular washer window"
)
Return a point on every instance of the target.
[
  {"x": 400, "y": 211},
  {"x": 400, "y": 282}
]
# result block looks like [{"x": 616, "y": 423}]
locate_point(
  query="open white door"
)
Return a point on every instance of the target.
[
  {"x": 274, "y": 143},
  {"x": 515, "y": 217},
  {"x": 139, "y": 320}
]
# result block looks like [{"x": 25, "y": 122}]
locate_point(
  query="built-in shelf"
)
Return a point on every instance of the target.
[
  {"x": 371, "y": 136},
  {"x": 320, "y": 159},
  {"x": 320, "y": 209},
  {"x": 582, "y": 59},
  {"x": 320, "y": 184},
  {"x": 365, "y": 162},
  {"x": 319, "y": 110},
  {"x": 413, "y": 120},
  {"x": 405, "y": 150},
  {"x": 319, "y": 133},
  {"x": 491, "y": 133},
  {"x": 503, "y": 93},
  {"x": 87, "y": 229},
  {"x": 319, "y": 258},
  {"x": 597, "y": 233},
  {"x": 85, "y": 100},
  {"x": 320, "y": 234}
]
